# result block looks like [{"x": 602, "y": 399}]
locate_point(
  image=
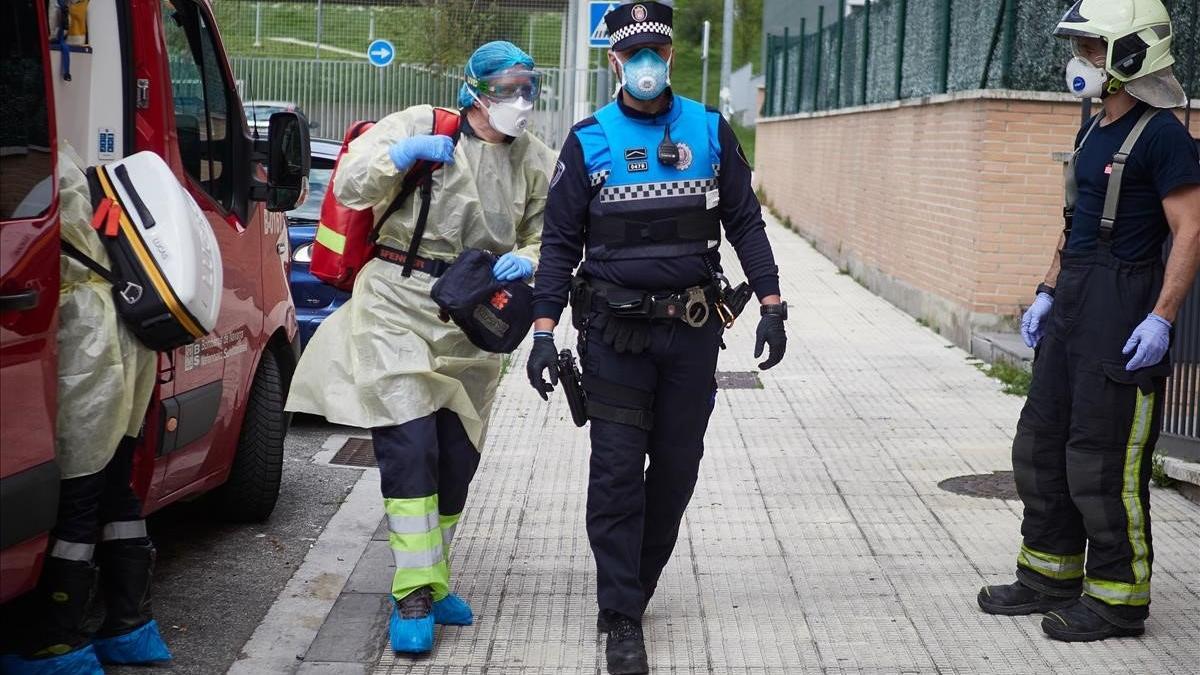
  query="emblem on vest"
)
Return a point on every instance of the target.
[
  {"x": 639, "y": 13},
  {"x": 636, "y": 158},
  {"x": 685, "y": 156}
]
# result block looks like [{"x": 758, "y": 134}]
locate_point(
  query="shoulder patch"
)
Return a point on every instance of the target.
[
  {"x": 742, "y": 153},
  {"x": 559, "y": 168}
]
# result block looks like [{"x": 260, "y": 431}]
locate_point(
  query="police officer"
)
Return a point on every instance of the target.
[
  {"x": 1101, "y": 325},
  {"x": 640, "y": 193}
]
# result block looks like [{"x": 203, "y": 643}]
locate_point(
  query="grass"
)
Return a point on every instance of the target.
[
  {"x": 1158, "y": 472},
  {"x": 1015, "y": 379}
]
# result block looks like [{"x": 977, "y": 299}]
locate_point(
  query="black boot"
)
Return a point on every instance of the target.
[
  {"x": 64, "y": 596},
  {"x": 129, "y": 633},
  {"x": 1079, "y": 622},
  {"x": 1016, "y": 599},
  {"x": 626, "y": 647}
]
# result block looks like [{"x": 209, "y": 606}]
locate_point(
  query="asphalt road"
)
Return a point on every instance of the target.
[{"x": 215, "y": 581}]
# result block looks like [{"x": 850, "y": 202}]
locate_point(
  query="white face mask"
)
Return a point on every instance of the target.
[
  {"x": 510, "y": 117},
  {"x": 1085, "y": 80}
]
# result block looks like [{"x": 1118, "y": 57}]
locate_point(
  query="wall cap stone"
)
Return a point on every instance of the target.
[{"x": 953, "y": 97}]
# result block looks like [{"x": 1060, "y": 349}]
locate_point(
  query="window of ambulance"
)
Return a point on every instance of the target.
[
  {"x": 201, "y": 97},
  {"x": 26, "y": 165}
]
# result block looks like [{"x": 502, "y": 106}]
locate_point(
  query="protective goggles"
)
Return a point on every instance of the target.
[{"x": 508, "y": 85}]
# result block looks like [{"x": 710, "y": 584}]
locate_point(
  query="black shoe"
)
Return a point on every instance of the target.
[
  {"x": 1017, "y": 599},
  {"x": 626, "y": 647},
  {"x": 1079, "y": 623},
  {"x": 125, "y": 573}
]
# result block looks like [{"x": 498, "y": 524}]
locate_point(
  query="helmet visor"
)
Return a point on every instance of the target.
[{"x": 509, "y": 84}]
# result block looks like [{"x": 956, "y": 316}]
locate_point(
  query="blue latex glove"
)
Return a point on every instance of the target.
[
  {"x": 405, "y": 152},
  {"x": 1031, "y": 323},
  {"x": 511, "y": 267},
  {"x": 1151, "y": 339}
]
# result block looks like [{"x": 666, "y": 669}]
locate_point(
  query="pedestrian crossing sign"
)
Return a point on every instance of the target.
[{"x": 598, "y": 37}]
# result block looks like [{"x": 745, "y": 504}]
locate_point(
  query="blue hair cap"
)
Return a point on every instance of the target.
[{"x": 489, "y": 59}]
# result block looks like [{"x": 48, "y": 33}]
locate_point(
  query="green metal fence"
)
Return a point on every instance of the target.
[{"x": 888, "y": 50}]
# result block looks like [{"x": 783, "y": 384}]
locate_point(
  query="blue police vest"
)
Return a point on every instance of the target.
[{"x": 644, "y": 208}]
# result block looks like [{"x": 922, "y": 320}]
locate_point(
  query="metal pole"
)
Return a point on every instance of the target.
[
  {"x": 866, "y": 58},
  {"x": 841, "y": 36},
  {"x": 704, "y": 63},
  {"x": 820, "y": 46},
  {"x": 944, "y": 8},
  {"x": 1010, "y": 43},
  {"x": 258, "y": 23},
  {"x": 901, "y": 17},
  {"x": 726, "y": 54},
  {"x": 582, "y": 63},
  {"x": 800, "y": 66},
  {"x": 371, "y": 25},
  {"x": 787, "y": 48},
  {"x": 318, "y": 30}
]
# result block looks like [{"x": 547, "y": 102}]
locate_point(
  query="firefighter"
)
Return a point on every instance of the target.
[
  {"x": 1101, "y": 326},
  {"x": 640, "y": 193},
  {"x": 385, "y": 361}
]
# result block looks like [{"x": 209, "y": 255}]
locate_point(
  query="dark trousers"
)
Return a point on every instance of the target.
[
  {"x": 425, "y": 468},
  {"x": 634, "y": 511},
  {"x": 1083, "y": 447},
  {"x": 88, "y": 503}
]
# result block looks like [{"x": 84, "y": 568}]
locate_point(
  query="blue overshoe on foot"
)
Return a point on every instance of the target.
[
  {"x": 141, "y": 645},
  {"x": 78, "y": 662},
  {"x": 410, "y": 636},
  {"x": 452, "y": 611}
]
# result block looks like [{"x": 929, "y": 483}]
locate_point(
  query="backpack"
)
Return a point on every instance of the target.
[{"x": 346, "y": 238}]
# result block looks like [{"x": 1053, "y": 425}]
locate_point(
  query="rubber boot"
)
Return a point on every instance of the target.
[
  {"x": 1017, "y": 599},
  {"x": 411, "y": 627},
  {"x": 129, "y": 634},
  {"x": 452, "y": 611},
  {"x": 625, "y": 649},
  {"x": 58, "y": 639}
]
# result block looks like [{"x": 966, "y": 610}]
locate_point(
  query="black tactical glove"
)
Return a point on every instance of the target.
[
  {"x": 625, "y": 336},
  {"x": 542, "y": 357},
  {"x": 771, "y": 333}
]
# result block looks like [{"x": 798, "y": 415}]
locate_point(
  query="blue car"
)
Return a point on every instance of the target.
[{"x": 314, "y": 300}]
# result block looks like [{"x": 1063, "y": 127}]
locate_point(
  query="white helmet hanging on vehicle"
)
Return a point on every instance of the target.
[{"x": 1137, "y": 35}]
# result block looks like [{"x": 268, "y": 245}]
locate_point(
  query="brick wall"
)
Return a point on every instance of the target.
[{"x": 949, "y": 207}]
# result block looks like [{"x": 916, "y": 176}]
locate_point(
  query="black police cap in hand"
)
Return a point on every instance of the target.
[{"x": 639, "y": 24}]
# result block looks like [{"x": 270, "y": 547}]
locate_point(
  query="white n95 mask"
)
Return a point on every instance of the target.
[{"x": 1085, "y": 80}]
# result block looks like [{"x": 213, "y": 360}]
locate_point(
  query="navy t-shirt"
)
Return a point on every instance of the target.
[{"x": 1164, "y": 158}]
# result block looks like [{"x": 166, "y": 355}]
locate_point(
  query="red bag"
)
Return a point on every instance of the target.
[{"x": 346, "y": 237}]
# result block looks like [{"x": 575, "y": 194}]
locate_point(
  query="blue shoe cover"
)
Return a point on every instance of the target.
[
  {"x": 411, "y": 636},
  {"x": 79, "y": 662},
  {"x": 142, "y": 645},
  {"x": 452, "y": 611}
]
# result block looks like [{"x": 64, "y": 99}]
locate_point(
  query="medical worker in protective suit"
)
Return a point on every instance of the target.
[
  {"x": 386, "y": 362},
  {"x": 105, "y": 380},
  {"x": 643, "y": 192},
  {"x": 1101, "y": 327}
]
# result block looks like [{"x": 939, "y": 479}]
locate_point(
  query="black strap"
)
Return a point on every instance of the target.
[
  {"x": 419, "y": 230},
  {"x": 88, "y": 262},
  {"x": 595, "y": 386},
  {"x": 642, "y": 419}
]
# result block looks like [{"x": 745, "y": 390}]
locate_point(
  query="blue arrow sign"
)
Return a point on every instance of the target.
[
  {"x": 381, "y": 53},
  {"x": 599, "y": 35}
]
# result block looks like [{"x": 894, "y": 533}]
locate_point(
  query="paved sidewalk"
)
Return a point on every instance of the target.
[{"x": 817, "y": 540}]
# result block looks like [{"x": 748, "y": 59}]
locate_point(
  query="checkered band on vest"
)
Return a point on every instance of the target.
[
  {"x": 599, "y": 177},
  {"x": 679, "y": 188},
  {"x": 635, "y": 28}
]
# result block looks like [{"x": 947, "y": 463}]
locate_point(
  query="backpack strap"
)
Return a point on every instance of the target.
[
  {"x": 1071, "y": 194},
  {"x": 88, "y": 262},
  {"x": 1113, "y": 195},
  {"x": 420, "y": 175}
]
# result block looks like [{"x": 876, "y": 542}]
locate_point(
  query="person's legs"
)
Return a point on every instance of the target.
[
  {"x": 407, "y": 456},
  {"x": 684, "y": 400},
  {"x": 457, "y": 461}
]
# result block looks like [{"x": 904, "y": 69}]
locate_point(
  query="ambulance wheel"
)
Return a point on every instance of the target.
[{"x": 253, "y": 486}]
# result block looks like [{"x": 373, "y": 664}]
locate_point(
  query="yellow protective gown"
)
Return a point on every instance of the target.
[
  {"x": 384, "y": 358},
  {"x": 105, "y": 375}
]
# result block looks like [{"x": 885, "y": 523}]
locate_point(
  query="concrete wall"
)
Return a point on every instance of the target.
[{"x": 947, "y": 206}]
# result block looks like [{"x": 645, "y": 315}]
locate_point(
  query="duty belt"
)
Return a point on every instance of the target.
[
  {"x": 434, "y": 268},
  {"x": 691, "y": 305}
]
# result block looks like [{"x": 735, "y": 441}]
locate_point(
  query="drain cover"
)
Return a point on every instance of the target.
[
  {"x": 738, "y": 379},
  {"x": 994, "y": 485},
  {"x": 355, "y": 452}
]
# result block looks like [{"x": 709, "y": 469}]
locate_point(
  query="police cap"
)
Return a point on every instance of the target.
[{"x": 639, "y": 24}]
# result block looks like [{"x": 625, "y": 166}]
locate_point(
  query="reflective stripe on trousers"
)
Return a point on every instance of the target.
[
  {"x": 416, "y": 539},
  {"x": 1051, "y": 565}
]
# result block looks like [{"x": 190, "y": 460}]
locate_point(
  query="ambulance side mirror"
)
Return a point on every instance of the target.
[{"x": 288, "y": 161}]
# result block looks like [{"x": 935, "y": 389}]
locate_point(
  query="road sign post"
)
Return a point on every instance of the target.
[
  {"x": 381, "y": 53},
  {"x": 598, "y": 32}
]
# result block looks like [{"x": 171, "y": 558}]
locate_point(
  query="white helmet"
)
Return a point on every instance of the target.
[{"x": 1137, "y": 34}]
